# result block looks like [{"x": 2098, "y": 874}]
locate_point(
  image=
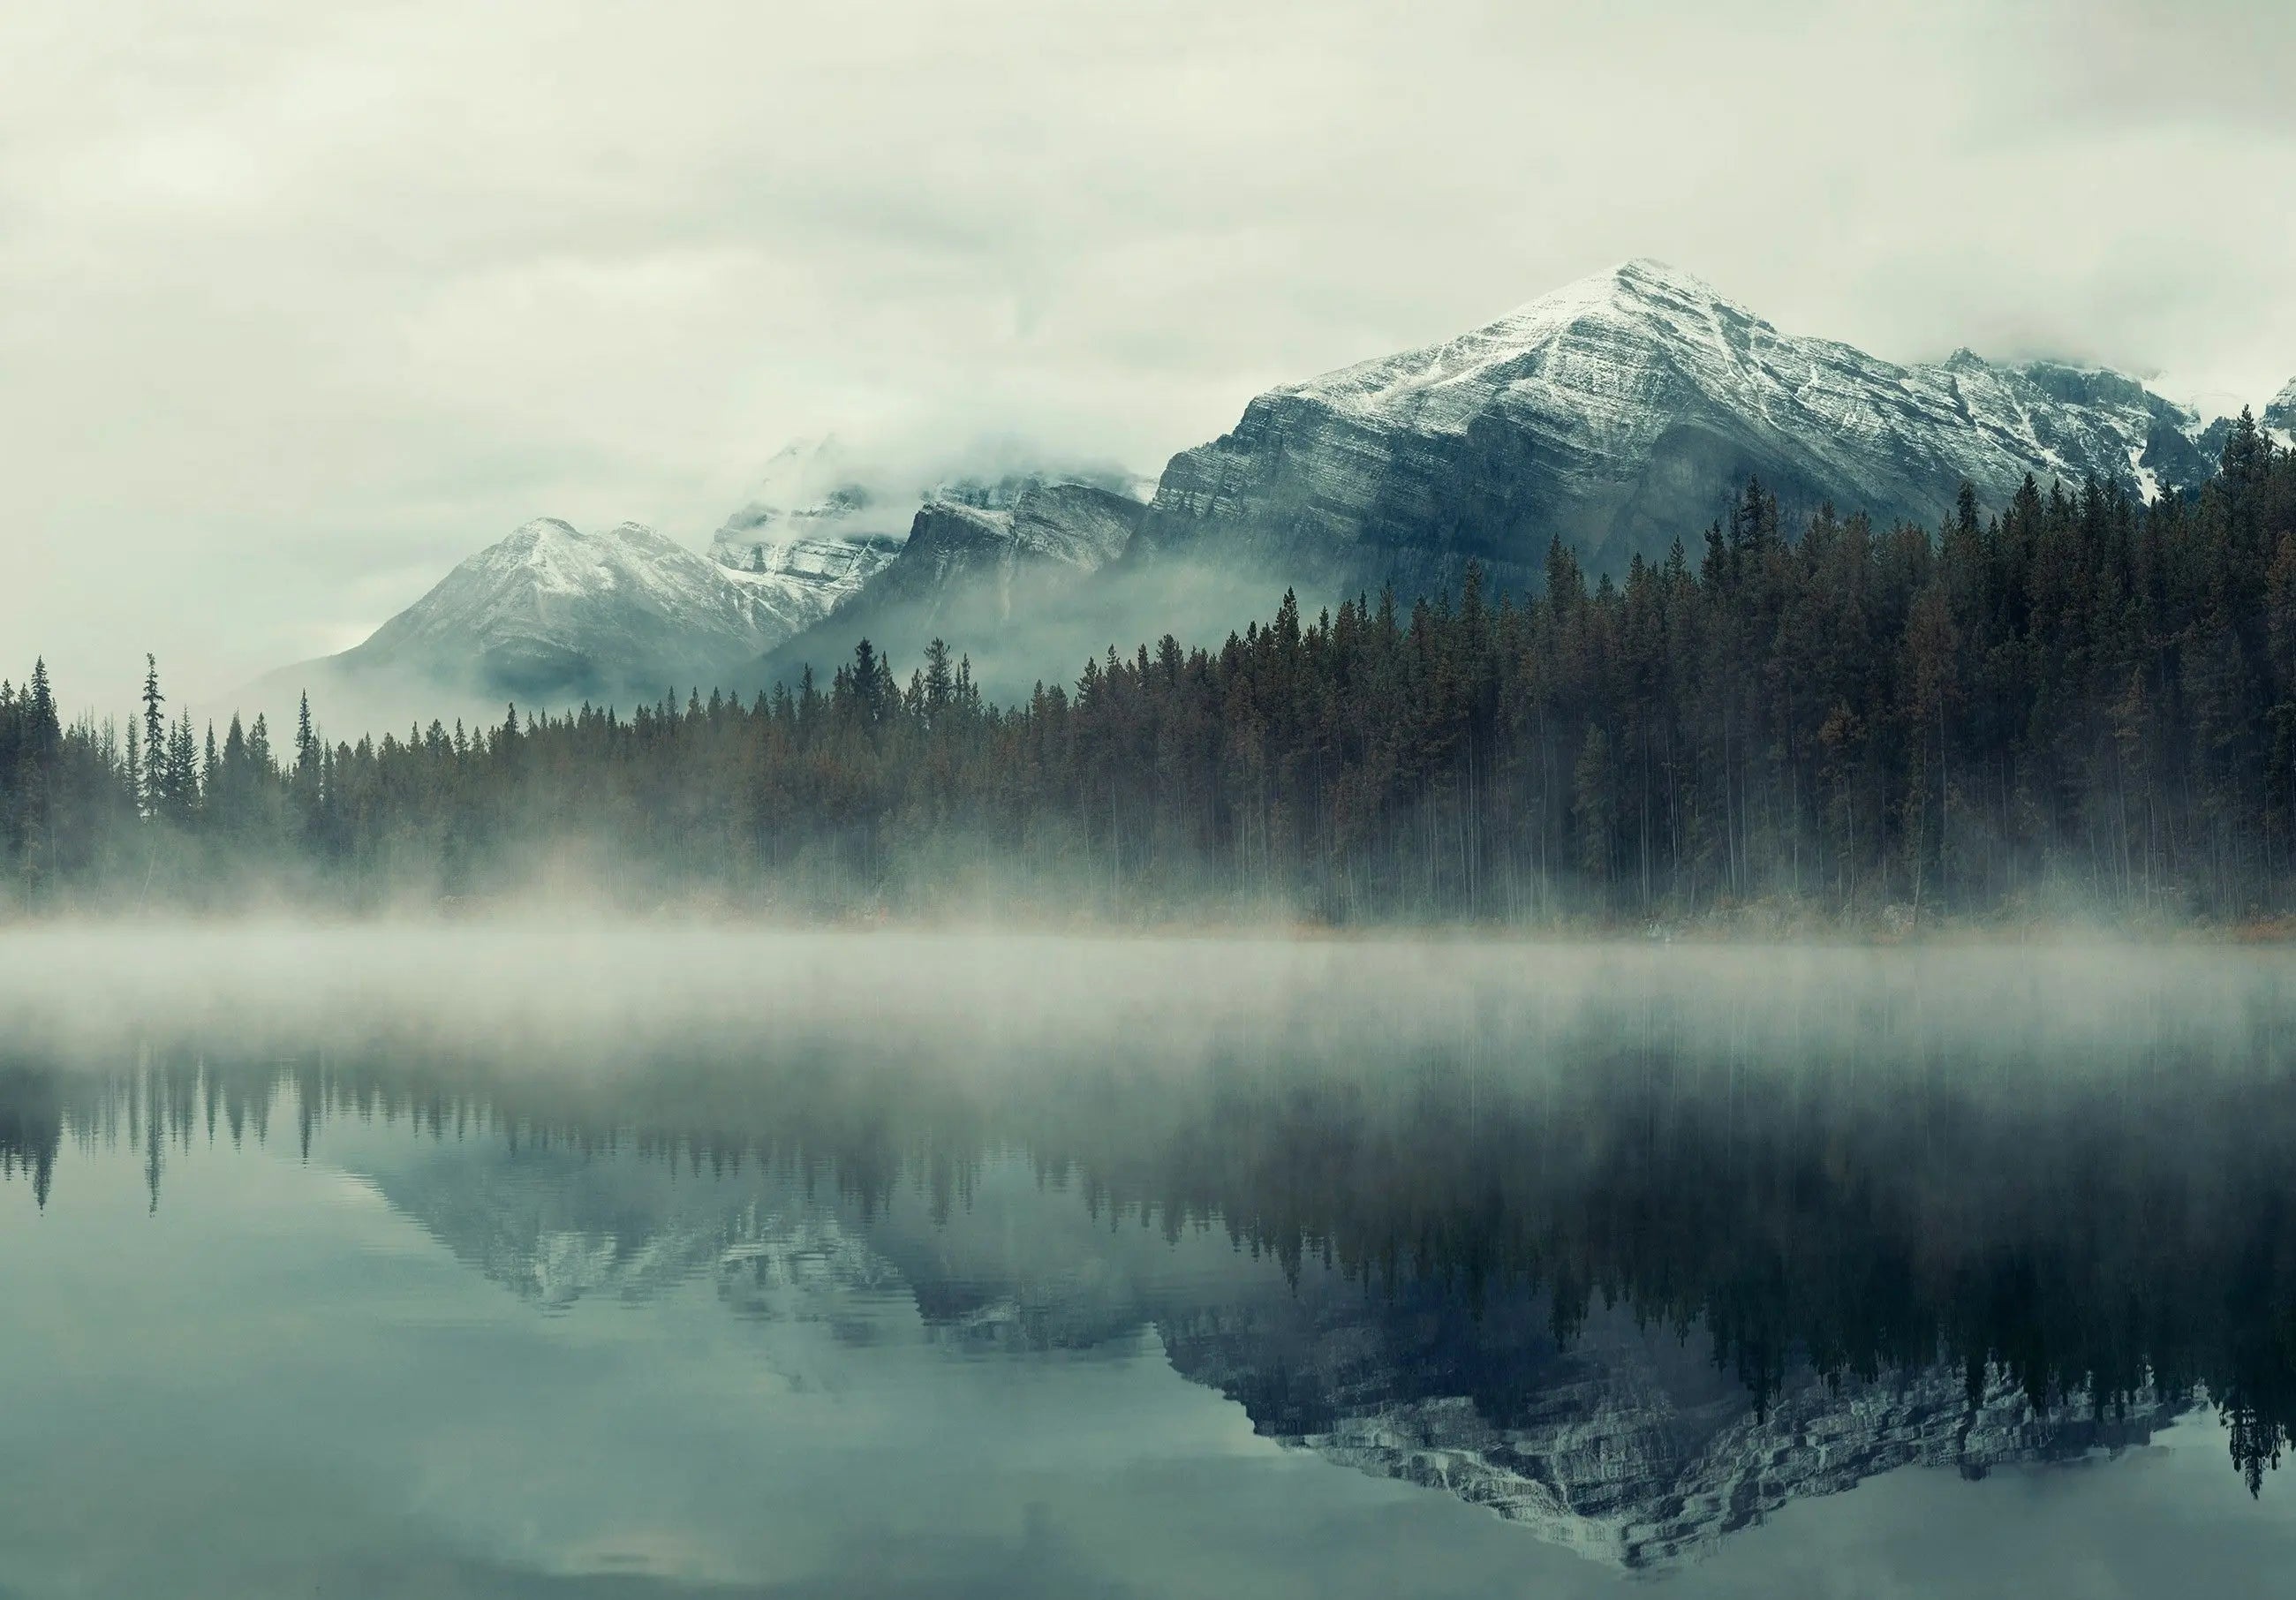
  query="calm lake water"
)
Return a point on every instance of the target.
[{"x": 699, "y": 1263}]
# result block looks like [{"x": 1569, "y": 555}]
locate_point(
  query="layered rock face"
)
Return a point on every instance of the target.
[
  {"x": 815, "y": 534},
  {"x": 957, "y": 552},
  {"x": 1621, "y": 413}
]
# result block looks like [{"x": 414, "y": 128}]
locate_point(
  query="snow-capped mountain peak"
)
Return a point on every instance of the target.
[
  {"x": 550, "y": 614},
  {"x": 551, "y": 586},
  {"x": 1624, "y": 411},
  {"x": 1443, "y": 386}
]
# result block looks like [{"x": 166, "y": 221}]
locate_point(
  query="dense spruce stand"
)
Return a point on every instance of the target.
[{"x": 2079, "y": 702}]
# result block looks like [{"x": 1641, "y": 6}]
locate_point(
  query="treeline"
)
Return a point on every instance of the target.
[{"x": 2077, "y": 700}]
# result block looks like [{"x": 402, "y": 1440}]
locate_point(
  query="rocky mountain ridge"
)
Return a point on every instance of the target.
[{"x": 1621, "y": 413}]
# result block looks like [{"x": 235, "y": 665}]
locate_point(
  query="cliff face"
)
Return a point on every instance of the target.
[
  {"x": 957, "y": 553},
  {"x": 1620, "y": 414}
]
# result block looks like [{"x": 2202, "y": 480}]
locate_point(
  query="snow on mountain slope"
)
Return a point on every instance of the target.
[
  {"x": 1622, "y": 412},
  {"x": 811, "y": 490},
  {"x": 549, "y": 616},
  {"x": 811, "y": 534},
  {"x": 801, "y": 582},
  {"x": 2280, "y": 416},
  {"x": 1618, "y": 414},
  {"x": 552, "y": 602}
]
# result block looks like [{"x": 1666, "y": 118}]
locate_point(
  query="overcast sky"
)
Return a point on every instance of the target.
[{"x": 300, "y": 304}]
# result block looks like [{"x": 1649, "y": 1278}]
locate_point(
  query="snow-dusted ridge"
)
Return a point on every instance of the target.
[
  {"x": 1610, "y": 348},
  {"x": 2280, "y": 416},
  {"x": 547, "y": 617},
  {"x": 802, "y": 580},
  {"x": 1622, "y": 412},
  {"x": 551, "y": 593}
]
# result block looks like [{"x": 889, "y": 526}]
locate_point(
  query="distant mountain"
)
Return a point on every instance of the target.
[
  {"x": 799, "y": 582},
  {"x": 549, "y": 616},
  {"x": 818, "y": 496},
  {"x": 2280, "y": 414},
  {"x": 954, "y": 547},
  {"x": 1621, "y": 413},
  {"x": 982, "y": 575},
  {"x": 813, "y": 494}
]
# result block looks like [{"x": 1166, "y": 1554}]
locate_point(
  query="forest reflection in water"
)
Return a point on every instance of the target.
[{"x": 1634, "y": 1258}]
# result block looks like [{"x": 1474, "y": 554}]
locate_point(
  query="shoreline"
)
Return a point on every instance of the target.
[{"x": 1752, "y": 927}]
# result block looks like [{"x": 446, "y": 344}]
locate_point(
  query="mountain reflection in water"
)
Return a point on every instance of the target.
[{"x": 1635, "y": 1279}]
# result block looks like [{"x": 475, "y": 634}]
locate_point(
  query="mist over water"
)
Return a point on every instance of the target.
[
  {"x": 646, "y": 1260},
  {"x": 589, "y": 987}
]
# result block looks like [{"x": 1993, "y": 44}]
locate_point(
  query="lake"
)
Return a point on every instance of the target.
[{"x": 699, "y": 1261}]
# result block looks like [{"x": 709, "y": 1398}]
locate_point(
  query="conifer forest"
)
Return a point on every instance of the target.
[{"x": 2076, "y": 702}]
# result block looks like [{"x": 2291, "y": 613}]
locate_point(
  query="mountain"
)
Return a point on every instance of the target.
[
  {"x": 954, "y": 547},
  {"x": 1620, "y": 414},
  {"x": 816, "y": 496},
  {"x": 550, "y": 615},
  {"x": 819, "y": 489},
  {"x": 797, "y": 582},
  {"x": 994, "y": 580},
  {"x": 813, "y": 513},
  {"x": 2280, "y": 414}
]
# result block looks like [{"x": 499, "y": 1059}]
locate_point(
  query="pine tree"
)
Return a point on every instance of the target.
[{"x": 155, "y": 794}]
